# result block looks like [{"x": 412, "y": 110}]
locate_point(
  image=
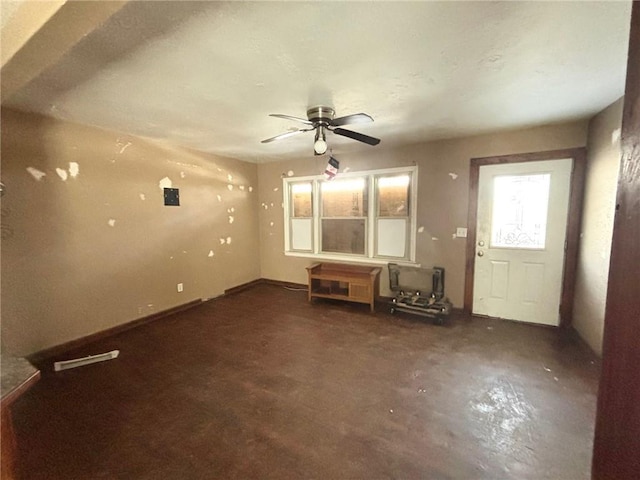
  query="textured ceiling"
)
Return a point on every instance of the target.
[{"x": 205, "y": 75}]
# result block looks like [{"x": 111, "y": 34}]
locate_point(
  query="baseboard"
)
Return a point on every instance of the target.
[
  {"x": 244, "y": 286},
  {"x": 280, "y": 283},
  {"x": 47, "y": 354},
  {"x": 264, "y": 281}
]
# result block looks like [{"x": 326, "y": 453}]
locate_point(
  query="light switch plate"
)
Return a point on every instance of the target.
[{"x": 461, "y": 232}]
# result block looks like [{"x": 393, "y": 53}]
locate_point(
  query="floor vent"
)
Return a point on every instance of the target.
[{"x": 79, "y": 362}]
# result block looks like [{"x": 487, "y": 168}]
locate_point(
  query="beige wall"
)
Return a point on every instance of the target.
[
  {"x": 603, "y": 163},
  {"x": 443, "y": 188},
  {"x": 67, "y": 273}
]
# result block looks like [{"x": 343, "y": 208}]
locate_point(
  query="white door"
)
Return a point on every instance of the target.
[{"x": 520, "y": 240}]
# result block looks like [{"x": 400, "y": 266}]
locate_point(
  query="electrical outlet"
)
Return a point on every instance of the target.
[
  {"x": 180, "y": 287},
  {"x": 461, "y": 232}
]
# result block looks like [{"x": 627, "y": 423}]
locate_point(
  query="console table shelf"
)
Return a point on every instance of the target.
[{"x": 353, "y": 283}]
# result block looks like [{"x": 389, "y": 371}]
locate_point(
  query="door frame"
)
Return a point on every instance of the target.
[{"x": 573, "y": 221}]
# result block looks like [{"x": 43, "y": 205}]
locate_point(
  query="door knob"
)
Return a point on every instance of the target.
[{"x": 480, "y": 253}]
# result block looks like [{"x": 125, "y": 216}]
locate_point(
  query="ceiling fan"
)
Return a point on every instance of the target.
[{"x": 321, "y": 120}]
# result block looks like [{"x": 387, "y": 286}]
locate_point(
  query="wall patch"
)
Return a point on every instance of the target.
[
  {"x": 74, "y": 169},
  {"x": 35, "y": 173},
  {"x": 165, "y": 183},
  {"x": 62, "y": 174}
]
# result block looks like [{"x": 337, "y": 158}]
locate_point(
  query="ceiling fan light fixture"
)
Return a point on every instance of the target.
[
  {"x": 320, "y": 144},
  {"x": 321, "y": 119}
]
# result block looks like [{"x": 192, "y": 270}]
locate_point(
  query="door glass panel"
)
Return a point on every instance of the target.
[{"x": 520, "y": 204}]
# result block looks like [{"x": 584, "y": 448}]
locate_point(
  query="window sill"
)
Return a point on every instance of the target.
[{"x": 345, "y": 258}]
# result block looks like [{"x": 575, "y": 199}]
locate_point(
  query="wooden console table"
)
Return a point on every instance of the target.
[
  {"x": 18, "y": 375},
  {"x": 353, "y": 283}
]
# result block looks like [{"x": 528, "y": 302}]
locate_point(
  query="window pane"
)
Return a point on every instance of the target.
[
  {"x": 343, "y": 235},
  {"x": 393, "y": 196},
  {"x": 392, "y": 237},
  {"x": 520, "y": 211},
  {"x": 301, "y": 200},
  {"x": 344, "y": 198},
  {"x": 301, "y": 234}
]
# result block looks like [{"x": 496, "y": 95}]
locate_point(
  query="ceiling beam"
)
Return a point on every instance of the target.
[
  {"x": 38, "y": 34},
  {"x": 19, "y": 27}
]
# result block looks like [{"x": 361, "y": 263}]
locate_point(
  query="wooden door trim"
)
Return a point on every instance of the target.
[
  {"x": 617, "y": 434},
  {"x": 573, "y": 221}
]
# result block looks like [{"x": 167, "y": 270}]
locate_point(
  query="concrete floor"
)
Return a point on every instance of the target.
[{"x": 262, "y": 384}]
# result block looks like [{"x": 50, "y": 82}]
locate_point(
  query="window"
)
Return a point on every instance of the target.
[{"x": 356, "y": 216}]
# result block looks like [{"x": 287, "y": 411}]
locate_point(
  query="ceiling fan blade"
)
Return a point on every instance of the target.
[
  {"x": 289, "y": 117},
  {"x": 350, "y": 119},
  {"x": 357, "y": 136},
  {"x": 285, "y": 135}
]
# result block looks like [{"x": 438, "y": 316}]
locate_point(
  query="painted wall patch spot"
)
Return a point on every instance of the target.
[
  {"x": 251, "y": 189},
  {"x": 124, "y": 147},
  {"x": 290, "y": 173},
  {"x": 421, "y": 229},
  {"x": 62, "y": 174},
  {"x": 241, "y": 187},
  {"x": 230, "y": 187},
  {"x": 182, "y": 174},
  {"x": 231, "y": 219},
  {"x": 210, "y": 253},
  {"x": 35, "y": 173},
  {"x": 74, "y": 169},
  {"x": 228, "y": 240},
  {"x": 142, "y": 196},
  {"x": 219, "y": 198},
  {"x": 112, "y": 222},
  {"x": 165, "y": 183},
  {"x": 222, "y": 241},
  {"x": 615, "y": 136},
  {"x": 230, "y": 177},
  {"x": 453, "y": 175}
]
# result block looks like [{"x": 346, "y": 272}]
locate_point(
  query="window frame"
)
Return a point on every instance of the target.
[{"x": 371, "y": 221}]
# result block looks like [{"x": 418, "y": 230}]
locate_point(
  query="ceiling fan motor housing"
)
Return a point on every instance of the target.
[{"x": 320, "y": 115}]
